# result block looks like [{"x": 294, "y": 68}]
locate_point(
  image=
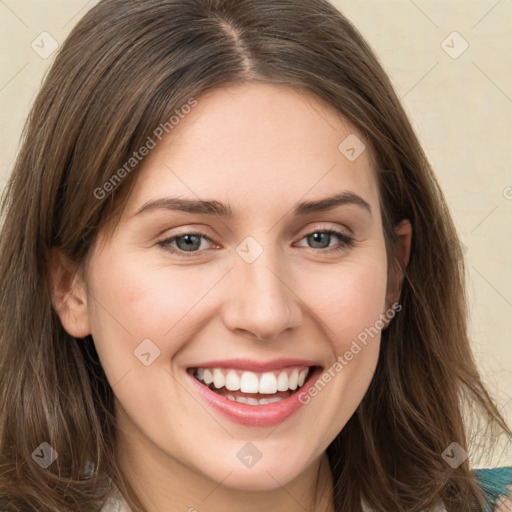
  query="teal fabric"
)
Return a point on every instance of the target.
[{"x": 494, "y": 482}]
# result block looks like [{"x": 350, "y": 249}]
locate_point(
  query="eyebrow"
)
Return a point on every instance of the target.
[{"x": 223, "y": 210}]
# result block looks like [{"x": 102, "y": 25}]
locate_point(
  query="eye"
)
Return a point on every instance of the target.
[
  {"x": 320, "y": 239},
  {"x": 191, "y": 242},
  {"x": 186, "y": 243}
]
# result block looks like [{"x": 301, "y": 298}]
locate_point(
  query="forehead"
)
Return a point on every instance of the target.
[{"x": 257, "y": 145}]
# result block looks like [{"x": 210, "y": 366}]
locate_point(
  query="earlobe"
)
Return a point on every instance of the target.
[
  {"x": 68, "y": 292},
  {"x": 403, "y": 238}
]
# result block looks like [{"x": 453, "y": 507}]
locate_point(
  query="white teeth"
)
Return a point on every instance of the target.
[
  {"x": 232, "y": 381},
  {"x": 254, "y": 401},
  {"x": 293, "y": 379},
  {"x": 249, "y": 383},
  {"x": 207, "y": 377},
  {"x": 219, "y": 381},
  {"x": 267, "y": 383},
  {"x": 282, "y": 382}
]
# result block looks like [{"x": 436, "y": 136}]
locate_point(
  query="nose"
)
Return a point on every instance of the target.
[{"x": 261, "y": 300}]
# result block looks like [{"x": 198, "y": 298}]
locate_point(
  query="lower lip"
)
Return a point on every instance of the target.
[{"x": 267, "y": 415}]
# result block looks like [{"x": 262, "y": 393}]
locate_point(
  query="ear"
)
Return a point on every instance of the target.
[
  {"x": 403, "y": 237},
  {"x": 68, "y": 292}
]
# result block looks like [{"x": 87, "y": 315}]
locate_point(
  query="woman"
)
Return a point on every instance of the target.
[{"x": 229, "y": 278}]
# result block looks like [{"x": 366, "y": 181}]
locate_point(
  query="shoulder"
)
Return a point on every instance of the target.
[
  {"x": 496, "y": 484},
  {"x": 114, "y": 504}
]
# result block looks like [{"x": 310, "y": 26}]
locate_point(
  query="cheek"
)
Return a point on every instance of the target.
[
  {"x": 348, "y": 300},
  {"x": 133, "y": 300}
]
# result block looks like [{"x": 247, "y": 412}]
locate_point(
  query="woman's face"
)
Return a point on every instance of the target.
[{"x": 258, "y": 293}]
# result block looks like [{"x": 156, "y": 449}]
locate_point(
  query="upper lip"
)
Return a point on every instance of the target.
[{"x": 255, "y": 366}]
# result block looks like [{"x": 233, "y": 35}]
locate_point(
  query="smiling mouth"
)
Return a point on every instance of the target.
[{"x": 253, "y": 388}]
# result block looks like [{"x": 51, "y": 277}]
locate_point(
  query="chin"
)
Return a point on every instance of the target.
[{"x": 264, "y": 479}]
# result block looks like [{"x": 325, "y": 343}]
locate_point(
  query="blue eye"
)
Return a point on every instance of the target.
[
  {"x": 320, "y": 236},
  {"x": 191, "y": 242},
  {"x": 188, "y": 242}
]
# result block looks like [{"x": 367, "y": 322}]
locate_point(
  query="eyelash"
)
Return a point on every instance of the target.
[{"x": 347, "y": 242}]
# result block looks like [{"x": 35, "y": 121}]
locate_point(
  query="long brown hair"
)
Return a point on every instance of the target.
[{"x": 124, "y": 71}]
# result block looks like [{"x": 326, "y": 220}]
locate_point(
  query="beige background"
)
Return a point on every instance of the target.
[{"x": 460, "y": 106}]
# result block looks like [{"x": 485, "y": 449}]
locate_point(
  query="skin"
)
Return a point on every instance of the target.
[{"x": 260, "y": 149}]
